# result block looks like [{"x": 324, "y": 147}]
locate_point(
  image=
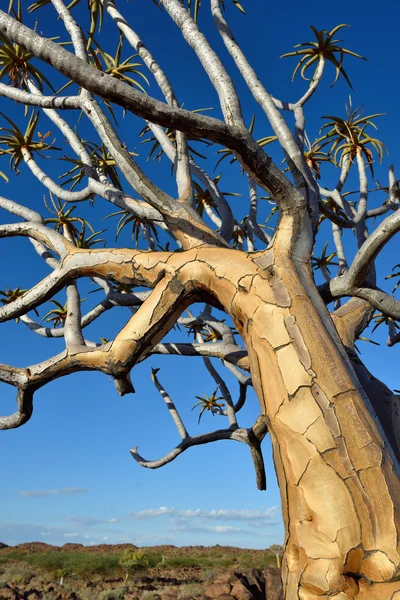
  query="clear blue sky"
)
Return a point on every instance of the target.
[{"x": 67, "y": 475}]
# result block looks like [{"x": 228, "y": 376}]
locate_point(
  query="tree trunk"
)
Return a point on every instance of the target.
[
  {"x": 351, "y": 320},
  {"x": 385, "y": 403},
  {"x": 338, "y": 476}
]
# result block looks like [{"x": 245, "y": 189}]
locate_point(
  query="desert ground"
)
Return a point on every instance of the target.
[{"x": 117, "y": 572}]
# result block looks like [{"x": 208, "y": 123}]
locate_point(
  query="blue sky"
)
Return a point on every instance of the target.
[{"x": 67, "y": 475}]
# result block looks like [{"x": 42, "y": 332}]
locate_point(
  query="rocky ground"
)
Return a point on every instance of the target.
[{"x": 21, "y": 580}]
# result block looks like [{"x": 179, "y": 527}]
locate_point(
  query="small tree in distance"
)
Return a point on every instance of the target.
[
  {"x": 133, "y": 560},
  {"x": 278, "y": 551},
  {"x": 298, "y": 311}
]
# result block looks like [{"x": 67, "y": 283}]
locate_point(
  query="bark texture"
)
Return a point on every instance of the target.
[
  {"x": 337, "y": 474},
  {"x": 338, "y": 478}
]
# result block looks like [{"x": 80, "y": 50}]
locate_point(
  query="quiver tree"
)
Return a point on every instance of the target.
[
  {"x": 277, "y": 550},
  {"x": 332, "y": 425}
]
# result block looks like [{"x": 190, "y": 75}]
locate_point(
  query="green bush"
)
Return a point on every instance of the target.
[
  {"x": 87, "y": 565},
  {"x": 207, "y": 561},
  {"x": 74, "y": 563},
  {"x": 154, "y": 559},
  {"x": 181, "y": 561},
  {"x": 246, "y": 561},
  {"x": 134, "y": 560}
]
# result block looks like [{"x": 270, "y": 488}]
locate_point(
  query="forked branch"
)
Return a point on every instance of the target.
[
  {"x": 238, "y": 139},
  {"x": 252, "y": 437}
]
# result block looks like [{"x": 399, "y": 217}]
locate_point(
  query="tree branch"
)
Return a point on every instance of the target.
[
  {"x": 238, "y": 139},
  {"x": 23, "y": 412},
  {"x": 182, "y": 153},
  {"x": 23, "y": 97},
  {"x": 170, "y": 405},
  {"x": 252, "y": 437},
  {"x": 364, "y": 259}
]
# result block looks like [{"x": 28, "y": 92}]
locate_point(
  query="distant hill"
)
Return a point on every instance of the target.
[{"x": 173, "y": 551}]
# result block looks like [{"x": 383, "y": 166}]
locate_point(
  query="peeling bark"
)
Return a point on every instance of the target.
[
  {"x": 384, "y": 401},
  {"x": 337, "y": 473}
]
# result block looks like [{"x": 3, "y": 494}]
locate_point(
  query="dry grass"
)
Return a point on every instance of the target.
[
  {"x": 148, "y": 595},
  {"x": 189, "y": 590},
  {"x": 17, "y": 573}
]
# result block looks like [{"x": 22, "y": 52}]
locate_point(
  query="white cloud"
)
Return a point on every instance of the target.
[
  {"x": 223, "y": 514},
  {"x": 224, "y": 529},
  {"x": 201, "y": 527},
  {"x": 227, "y": 514},
  {"x": 214, "y": 528},
  {"x": 54, "y": 492},
  {"x": 162, "y": 525},
  {"x": 150, "y": 513},
  {"x": 258, "y": 523}
]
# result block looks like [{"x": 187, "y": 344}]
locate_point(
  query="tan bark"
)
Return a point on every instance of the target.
[
  {"x": 350, "y": 321},
  {"x": 339, "y": 478},
  {"x": 385, "y": 403}
]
